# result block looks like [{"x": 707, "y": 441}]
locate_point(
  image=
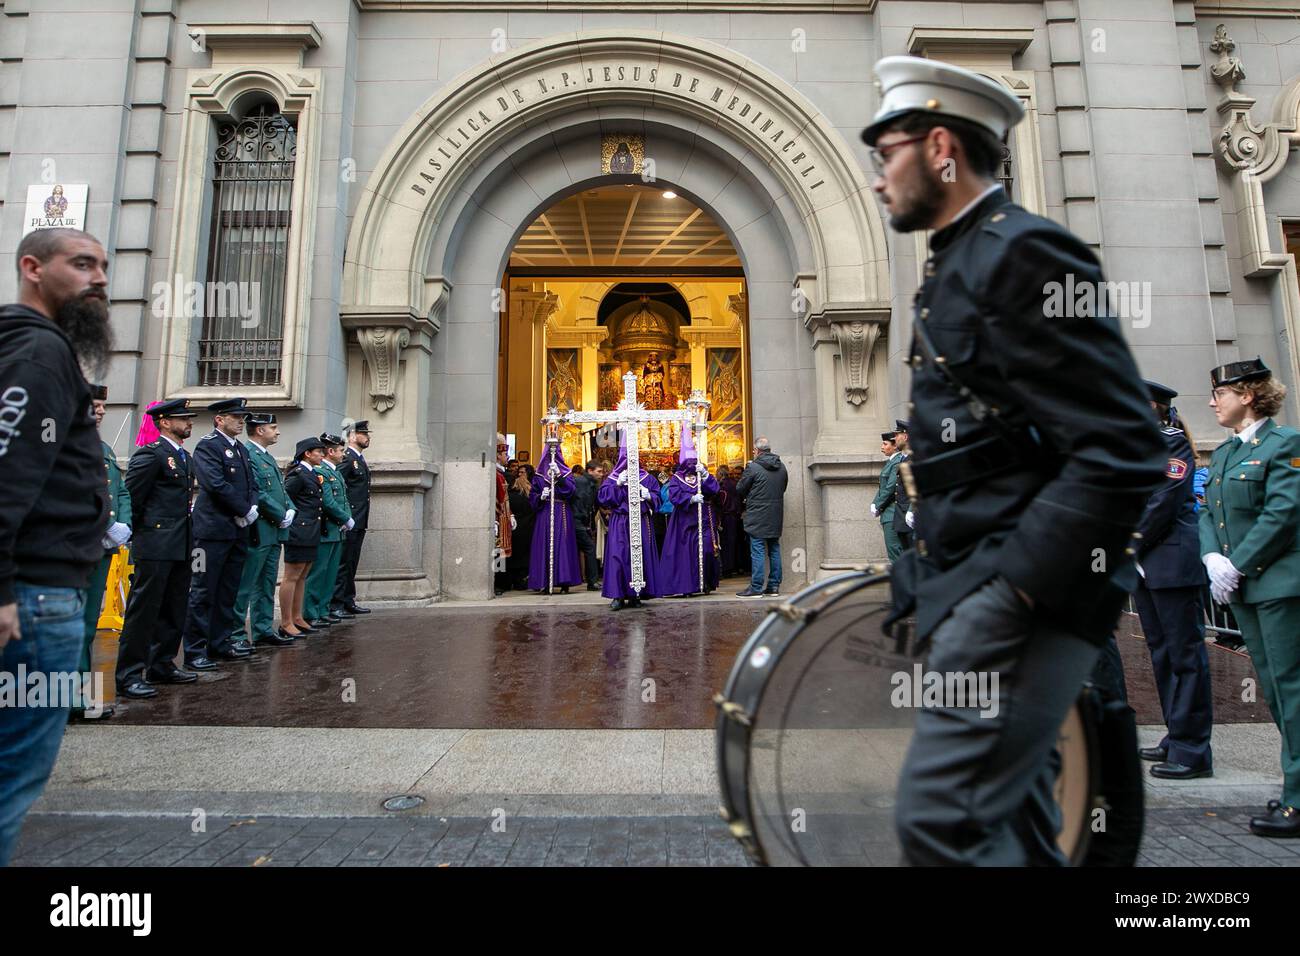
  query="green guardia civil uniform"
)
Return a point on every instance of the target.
[
  {"x": 1252, "y": 516},
  {"x": 884, "y": 502},
  {"x": 256, "y": 597},
  {"x": 335, "y": 513},
  {"x": 119, "y": 504}
]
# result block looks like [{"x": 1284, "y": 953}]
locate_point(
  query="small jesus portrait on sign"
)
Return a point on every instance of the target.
[{"x": 622, "y": 153}]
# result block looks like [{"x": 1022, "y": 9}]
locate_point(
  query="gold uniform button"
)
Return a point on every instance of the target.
[
  {"x": 1220, "y": 524},
  {"x": 925, "y": 313},
  {"x": 1217, "y": 480},
  {"x": 929, "y": 268},
  {"x": 997, "y": 217},
  {"x": 1243, "y": 474}
]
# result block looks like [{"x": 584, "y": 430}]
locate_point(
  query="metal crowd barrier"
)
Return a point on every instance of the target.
[{"x": 1218, "y": 617}]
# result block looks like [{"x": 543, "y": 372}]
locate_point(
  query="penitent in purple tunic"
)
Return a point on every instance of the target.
[{"x": 618, "y": 545}]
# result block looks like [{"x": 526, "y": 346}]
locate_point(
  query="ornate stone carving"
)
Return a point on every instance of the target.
[
  {"x": 1228, "y": 72},
  {"x": 1242, "y": 143},
  {"x": 382, "y": 346},
  {"x": 857, "y": 340}
]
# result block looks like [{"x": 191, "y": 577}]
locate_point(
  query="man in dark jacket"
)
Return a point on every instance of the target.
[
  {"x": 903, "y": 516},
  {"x": 1034, "y": 453},
  {"x": 224, "y": 512},
  {"x": 1168, "y": 599},
  {"x": 158, "y": 478},
  {"x": 356, "y": 477},
  {"x": 54, "y": 511},
  {"x": 583, "y": 505},
  {"x": 762, "y": 489}
]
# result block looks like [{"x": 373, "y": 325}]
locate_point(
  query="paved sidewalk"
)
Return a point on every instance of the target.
[{"x": 1174, "y": 837}]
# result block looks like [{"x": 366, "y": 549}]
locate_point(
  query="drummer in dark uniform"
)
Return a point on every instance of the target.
[
  {"x": 224, "y": 512},
  {"x": 158, "y": 480},
  {"x": 1028, "y": 477},
  {"x": 1168, "y": 599},
  {"x": 1250, "y": 545}
]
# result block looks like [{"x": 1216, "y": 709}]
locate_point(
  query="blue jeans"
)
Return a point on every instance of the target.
[
  {"x": 760, "y": 549},
  {"x": 53, "y": 631}
]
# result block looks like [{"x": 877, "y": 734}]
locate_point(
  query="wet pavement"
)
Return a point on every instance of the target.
[
  {"x": 521, "y": 665},
  {"x": 1172, "y": 837}
]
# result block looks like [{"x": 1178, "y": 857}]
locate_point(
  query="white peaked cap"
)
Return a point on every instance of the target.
[{"x": 910, "y": 84}]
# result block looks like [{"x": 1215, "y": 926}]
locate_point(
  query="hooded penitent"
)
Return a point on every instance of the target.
[
  {"x": 680, "y": 562},
  {"x": 567, "y": 570},
  {"x": 618, "y": 548}
]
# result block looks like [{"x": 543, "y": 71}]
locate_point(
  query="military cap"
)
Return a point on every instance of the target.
[
  {"x": 362, "y": 426},
  {"x": 253, "y": 419},
  {"x": 229, "y": 406},
  {"x": 900, "y": 425},
  {"x": 306, "y": 445},
  {"x": 1234, "y": 372},
  {"x": 887, "y": 436},
  {"x": 1160, "y": 394},
  {"x": 99, "y": 393},
  {"x": 176, "y": 408},
  {"x": 910, "y": 84},
  {"x": 327, "y": 440}
]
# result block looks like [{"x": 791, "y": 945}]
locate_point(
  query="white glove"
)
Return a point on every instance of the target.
[
  {"x": 350, "y": 525},
  {"x": 700, "y": 469},
  {"x": 546, "y": 492},
  {"x": 240, "y": 522},
  {"x": 1141, "y": 570},
  {"x": 496, "y": 529},
  {"x": 621, "y": 479},
  {"x": 1223, "y": 575},
  {"x": 117, "y": 535},
  {"x": 696, "y": 499},
  {"x": 514, "y": 522},
  {"x": 288, "y": 518},
  {"x": 874, "y": 512},
  {"x": 252, "y": 515},
  {"x": 910, "y": 518}
]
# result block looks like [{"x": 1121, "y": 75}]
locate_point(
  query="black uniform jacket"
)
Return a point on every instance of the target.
[
  {"x": 158, "y": 479},
  {"x": 356, "y": 477},
  {"x": 227, "y": 488},
  {"x": 1170, "y": 547},
  {"x": 303, "y": 486},
  {"x": 1059, "y": 525}
]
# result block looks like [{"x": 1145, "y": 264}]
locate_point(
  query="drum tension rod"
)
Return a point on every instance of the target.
[
  {"x": 732, "y": 711},
  {"x": 792, "y": 613}
]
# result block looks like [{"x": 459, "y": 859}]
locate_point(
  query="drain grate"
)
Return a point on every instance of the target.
[{"x": 407, "y": 801}]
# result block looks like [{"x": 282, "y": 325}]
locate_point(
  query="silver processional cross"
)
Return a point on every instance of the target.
[{"x": 630, "y": 414}]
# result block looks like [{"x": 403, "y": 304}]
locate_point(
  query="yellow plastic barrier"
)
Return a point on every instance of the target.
[{"x": 115, "y": 591}]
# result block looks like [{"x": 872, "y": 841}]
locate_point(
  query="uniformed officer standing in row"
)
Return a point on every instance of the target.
[
  {"x": 158, "y": 481},
  {"x": 1250, "y": 544},
  {"x": 224, "y": 512},
  {"x": 275, "y": 513},
  {"x": 118, "y": 534},
  {"x": 902, "y": 503},
  {"x": 1027, "y": 474},
  {"x": 336, "y": 519},
  {"x": 356, "y": 476},
  {"x": 882, "y": 506},
  {"x": 1168, "y": 599}
]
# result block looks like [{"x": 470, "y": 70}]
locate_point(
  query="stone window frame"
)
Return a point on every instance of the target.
[
  {"x": 989, "y": 52},
  {"x": 241, "y": 69}
]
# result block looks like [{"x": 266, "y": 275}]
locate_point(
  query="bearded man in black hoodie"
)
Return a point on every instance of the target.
[{"x": 55, "y": 509}]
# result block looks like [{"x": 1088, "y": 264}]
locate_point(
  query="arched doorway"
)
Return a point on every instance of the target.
[{"x": 461, "y": 183}]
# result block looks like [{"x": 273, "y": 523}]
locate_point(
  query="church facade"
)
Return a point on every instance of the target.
[{"x": 447, "y": 216}]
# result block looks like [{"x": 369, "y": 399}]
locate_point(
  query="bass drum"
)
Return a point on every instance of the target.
[{"x": 810, "y": 741}]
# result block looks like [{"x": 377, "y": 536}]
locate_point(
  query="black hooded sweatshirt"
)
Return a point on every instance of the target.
[{"x": 54, "y": 509}]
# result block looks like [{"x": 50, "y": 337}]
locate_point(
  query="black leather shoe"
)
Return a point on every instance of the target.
[
  {"x": 1177, "y": 771},
  {"x": 320, "y": 623},
  {"x": 769, "y": 592},
  {"x": 308, "y": 630},
  {"x": 244, "y": 646},
  {"x": 1280, "y": 822},
  {"x": 82, "y": 717},
  {"x": 138, "y": 690},
  {"x": 339, "y": 618},
  {"x": 200, "y": 664},
  {"x": 234, "y": 654},
  {"x": 343, "y": 615},
  {"x": 593, "y": 587},
  {"x": 274, "y": 640},
  {"x": 355, "y": 608},
  {"x": 616, "y": 605},
  {"x": 749, "y": 592},
  {"x": 173, "y": 676},
  {"x": 1154, "y": 753}
]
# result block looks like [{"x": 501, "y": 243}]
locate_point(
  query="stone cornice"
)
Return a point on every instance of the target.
[
  {"x": 1246, "y": 8},
  {"x": 942, "y": 42},
  {"x": 633, "y": 6},
  {"x": 232, "y": 41}
]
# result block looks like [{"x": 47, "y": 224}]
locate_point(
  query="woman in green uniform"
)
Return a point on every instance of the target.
[{"x": 1250, "y": 544}]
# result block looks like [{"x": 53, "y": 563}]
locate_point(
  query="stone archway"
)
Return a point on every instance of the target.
[{"x": 502, "y": 142}]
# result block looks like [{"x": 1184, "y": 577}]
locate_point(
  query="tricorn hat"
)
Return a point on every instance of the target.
[
  {"x": 99, "y": 393},
  {"x": 1234, "y": 372},
  {"x": 331, "y": 441},
  {"x": 887, "y": 436},
  {"x": 253, "y": 419}
]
